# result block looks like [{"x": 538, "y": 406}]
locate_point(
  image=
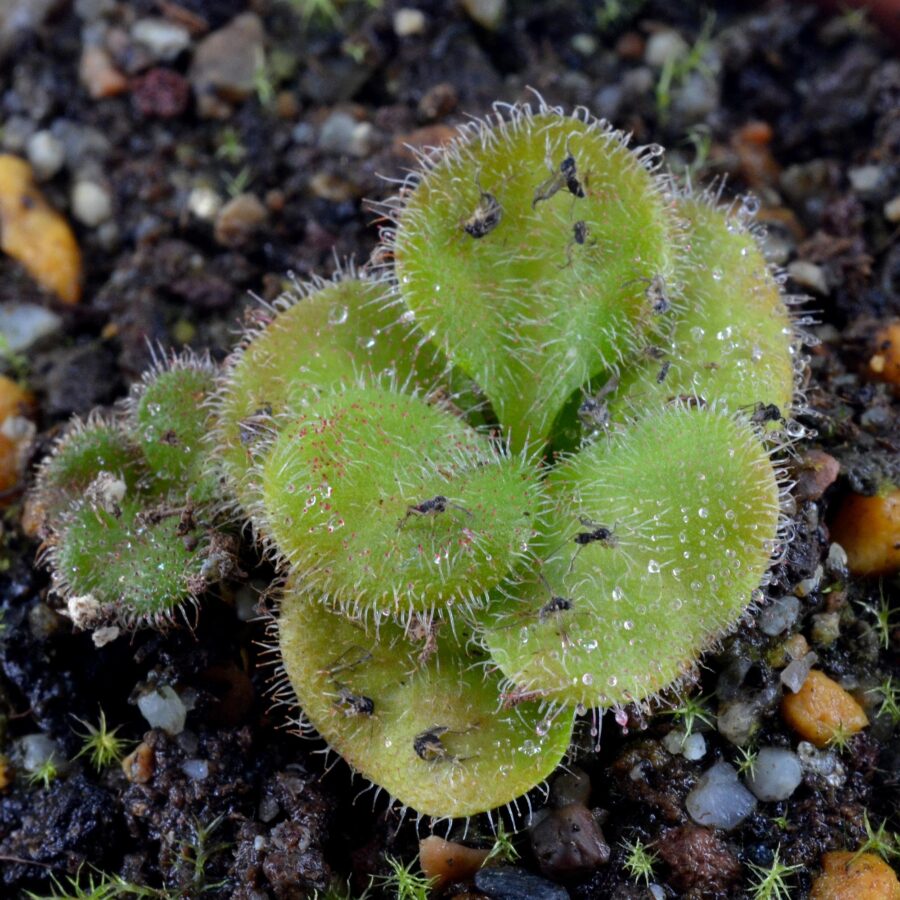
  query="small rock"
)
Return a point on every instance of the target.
[
  {"x": 36, "y": 750},
  {"x": 568, "y": 842},
  {"x": 815, "y": 471},
  {"x": 99, "y": 75},
  {"x": 584, "y": 43},
  {"x": 823, "y": 764},
  {"x": 164, "y": 39},
  {"x": 507, "y": 883},
  {"x": 91, "y": 10},
  {"x": 162, "y": 93},
  {"x": 738, "y": 720},
  {"x": 664, "y": 47},
  {"x": 138, "y": 766},
  {"x": 341, "y": 133},
  {"x": 24, "y": 324},
  {"x": 438, "y": 101},
  {"x": 836, "y": 561},
  {"x": 821, "y": 709},
  {"x": 573, "y": 786},
  {"x": 35, "y": 234},
  {"x": 445, "y": 862},
  {"x": 204, "y": 203},
  {"x": 46, "y": 155},
  {"x": 810, "y": 585},
  {"x": 775, "y": 775},
  {"x": 719, "y": 799},
  {"x": 163, "y": 708},
  {"x": 692, "y": 747},
  {"x": 796, "y": 672},
  {"x": 700, "y": 862},
  {"x": 868, "y": 528},
  {"x": 333, "y": 187},
  {"x": 486, "y": 13},
  {"x": 892, "y": 209},
  {"x": 866, "y": 179},
  {"x": 91, "y": 203},
  {"x": 826, "y": 628},
  {"x": 852, "y": 876},
  {"x": 196, "y": 769},
  {"x": 226, "y": 64},
  {"x": 239, "y": 219},
  {"x": 808, "y": 275},
  {"x": 19, "y": 18},
  {"x": 408, "y": 22},
  {"x": 779, "y": 615}
]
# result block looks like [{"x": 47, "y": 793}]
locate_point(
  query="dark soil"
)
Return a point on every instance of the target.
[{"x": 268, "y": 820}]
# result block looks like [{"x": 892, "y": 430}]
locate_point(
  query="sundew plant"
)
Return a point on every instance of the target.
[{"x": 523, "y": 464}]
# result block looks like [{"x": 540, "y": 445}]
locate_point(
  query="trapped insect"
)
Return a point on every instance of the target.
[
  {"x": 565, "y": 176},
  {"x": 594, "y": 409},
  {"x": 354, "y": 704},
  {"x": 429, "y": 747},
  {"x": 431, "y": 507},
  {"x": 486, "y": 216}
]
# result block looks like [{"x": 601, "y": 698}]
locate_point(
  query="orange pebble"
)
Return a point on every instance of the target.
[
  {"x": 868, "y": 528},
  {"x": 884, "y": 364},
  {"x": 447, "y": 861},
  {"x": 821, "y": 710},
  {"x": 10, "y": 458},
  {"x": 32, "y": 232},
  {"x": 867, "y": 877},
  {"x": 14, "y": 399}
]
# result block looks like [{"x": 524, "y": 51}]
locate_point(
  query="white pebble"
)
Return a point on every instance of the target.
[
  {"x": 719, "y": 799},
  {"x": 694, "y": 747},
  {"x": 808, "y": 275},
  {"x": 204, "y": 203},
  {"x": 163, "y": 708},
  {"x": 195, "y": 769},
  {"x": 779, "y": 615},
  {"x": 91, "y": 203},
  {"x": 665, "y": 47},
  {"x": 892, "y": 209},
  {"x": 775, "y": 775},
  {"x": 37, "y": 749},
  {"x": 46, "y": 154},
  {"x": 24, "y": 324},
  {"x": 408, "y": 22},
  {"x": 794, "y": 675},
  {"x": 164, "y": 39}
]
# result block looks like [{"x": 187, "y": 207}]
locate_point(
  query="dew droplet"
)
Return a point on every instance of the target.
[{"x": 338, "y": 314}]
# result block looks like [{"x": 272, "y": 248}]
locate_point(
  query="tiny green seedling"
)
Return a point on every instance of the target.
[
  {"x": 771, "y": 882},
  {"x": 45, "y": 774},
  {"x": 890, "y": 699},
  {"x": 403, "y": 883},
  {"x": 880, "y": 841},
  {"x": 101, "y": 744},
  {"x": 639, "y": 860}
]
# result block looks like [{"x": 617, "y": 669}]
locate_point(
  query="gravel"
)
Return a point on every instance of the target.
[
  {"x": 163, "y": 708},
  {"x": 775, "y": 774},
  {"x": 719, "y": 799}
]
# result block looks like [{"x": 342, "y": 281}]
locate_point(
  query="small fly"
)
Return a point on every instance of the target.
[
  {"x": 434, "y": 506},
  {"x": 486, "y": 217},
  {"x": 594, "y": 410}
]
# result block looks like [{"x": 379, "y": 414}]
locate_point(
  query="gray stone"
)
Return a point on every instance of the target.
[
  {"x": 24, "y": 324},
  {"x": 507, "y": 883},
  {"x": 226, "y": 64},
  {"x": 46, "y": 154},
  {"x": 164, "y": 40},
  {"x": 719, "y": 799},
  {"x": 487, "y": 13},
  {"x": 775, "y": 775},
  {"x": 91, "y": 203},
  {"x": 163, "y": 708},
  {"x": 779, "y": 615},
  {"x": 665, "y": 47}
]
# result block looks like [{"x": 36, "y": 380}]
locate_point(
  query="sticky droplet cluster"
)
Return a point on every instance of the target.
[{"x": 520, "y": 466}]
